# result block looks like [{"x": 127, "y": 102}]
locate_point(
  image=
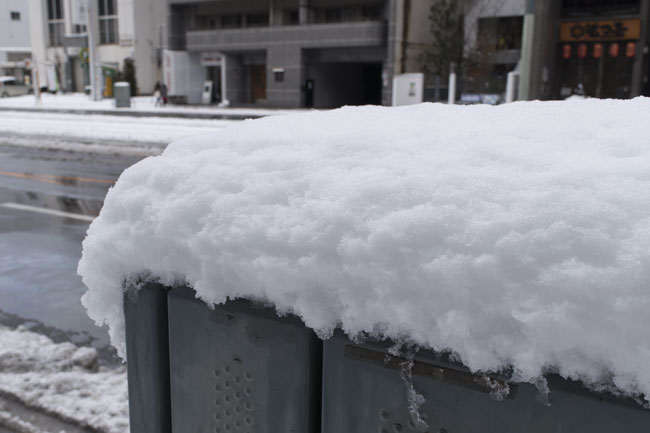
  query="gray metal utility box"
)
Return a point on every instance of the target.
[
  {"x": 235, "y": 368},
  {"x": 241, "y": 368},
  {"x": 364, "y": 392},
  {"x": 122, "y": 91},
  {"x": 241, "y": 364}
]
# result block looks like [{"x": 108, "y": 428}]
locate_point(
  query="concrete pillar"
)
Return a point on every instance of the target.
[
  {"x": 543, "y": 52},
  {"x": 272, "y": 19},
  {"x": 288, "y": 92},
  {"x": 94, "y": 62},
  {"x": 232, "y": 79},
  {"x": 640, "y": 69},
  {"x": 303, "y": 11},
  {"x": 393, "y": 9},
  {"x": 527, "y": 40}
]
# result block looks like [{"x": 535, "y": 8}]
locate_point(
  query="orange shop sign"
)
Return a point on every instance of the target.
[{"x": 602, "y": 30}]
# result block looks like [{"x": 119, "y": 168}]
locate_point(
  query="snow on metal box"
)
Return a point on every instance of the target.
[
  {"x": 369, "y": 388},
  {"x": 240, "y": 368},
  {"x": 514, "y": 236}
]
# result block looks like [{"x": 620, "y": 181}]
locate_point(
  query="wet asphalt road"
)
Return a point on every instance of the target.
[{"x": 47, "y": 199}]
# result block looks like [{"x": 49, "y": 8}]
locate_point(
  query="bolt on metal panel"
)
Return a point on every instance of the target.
[
  {"x": 365, "y": 390},
  {"x": 241, "y": 368}
]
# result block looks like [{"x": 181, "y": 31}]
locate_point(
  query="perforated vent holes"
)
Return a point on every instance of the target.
[{"x": 233, "y": 408}]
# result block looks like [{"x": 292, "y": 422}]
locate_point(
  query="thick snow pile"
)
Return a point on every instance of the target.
[
  {"x": 515, "y": 236},
  {"x": 63, "y": 379}
]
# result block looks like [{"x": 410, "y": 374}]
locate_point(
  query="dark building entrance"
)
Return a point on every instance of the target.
[
  {"x": 309, "y": 93},
  {"x": 338, "y": 77},
  {"x": 372, "y": 84},
  {"x": 257, "y": 75},
  {"x": 603, "y": 75},
  {"x": 213, "y": 73},
  {"x": 336, "y": 84}
]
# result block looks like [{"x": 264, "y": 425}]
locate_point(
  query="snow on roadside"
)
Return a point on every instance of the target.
[
  {"x": 106, "y": 127},
  {"x": 63, "y": 379},
  {"x": 514, "y": 236},
  {"x": 71, "y": 144},
  {"x": 15, "y": 423},
  {"x": 79, "y": 101}
]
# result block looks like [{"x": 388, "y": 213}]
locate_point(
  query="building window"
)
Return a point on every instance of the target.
[
  {"x": 369, "y": 12},
  {"x": 290, "y": 17},
  {"x": 206, "y": 22},
  {"x": 278, "y": 74},
  {"x": 333, "y": 15},
  {"x": 18, "y": 57},
  {"x": 108, "y": 22},
  {"x": 372, "y": 13},
  {"x": 500, "y": 33},
  {"x": 257, "y": 20},
  {"x": 15, "y": 16},
  {"x": 232, "y": 21},
  {"x": 55, "y": 25}
]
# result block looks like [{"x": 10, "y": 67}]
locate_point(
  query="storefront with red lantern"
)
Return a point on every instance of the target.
[{"x": 597, "y": 51}]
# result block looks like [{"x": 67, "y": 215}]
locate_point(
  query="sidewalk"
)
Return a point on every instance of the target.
[
  {"x": 141, "y": 106},
  {"x": 97, "y": 132}
]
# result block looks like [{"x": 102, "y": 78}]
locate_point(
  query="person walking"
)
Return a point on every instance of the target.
[
  {"x": 163, "y": 93},
  {"x": 157, "y": 97}
]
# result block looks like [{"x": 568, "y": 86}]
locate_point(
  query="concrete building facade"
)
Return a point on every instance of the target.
[
  {"x": 558, "y": 47},
  {"x": 15, "y": 47},
  {"x": 328, "y": 53},
  {"x": 295, "y": 53},
  {"x": 493, "y": 44},
  {"x": 124, "y": 29},
  {"x": 284, "y": 53},
  {"x": 600, "y": 46}
]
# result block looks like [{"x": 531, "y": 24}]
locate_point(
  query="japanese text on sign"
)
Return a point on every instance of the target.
[{"x": 608, "y": 30}]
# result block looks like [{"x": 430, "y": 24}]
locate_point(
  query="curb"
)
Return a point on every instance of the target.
[
  {"x": 17, "y": 416},
  {"x": 134, "y": 113}
]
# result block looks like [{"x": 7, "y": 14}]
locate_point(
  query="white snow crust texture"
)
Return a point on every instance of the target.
[
  {"x": 63, "y": 379},
  {"x": 515, "y": 236}
]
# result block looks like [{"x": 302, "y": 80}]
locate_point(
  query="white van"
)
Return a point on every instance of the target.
[{"x": 10, "y": 86}]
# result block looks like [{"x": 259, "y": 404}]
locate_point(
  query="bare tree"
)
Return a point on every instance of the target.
[
  {"x": 446, "y": 25},
  {"x": 449, "y": 29}
]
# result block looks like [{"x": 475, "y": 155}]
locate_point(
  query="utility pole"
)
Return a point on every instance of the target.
[
  {"x": 36, "y": 85},
  {"x": 224, "y": 97},
  {"x": 94, "y": 69},
  {"x": 526, "y": 51}
]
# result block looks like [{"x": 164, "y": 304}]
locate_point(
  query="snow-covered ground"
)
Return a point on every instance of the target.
[
  {"x": 60, "y": 379},
  {"x": 103, "y": 132},
  {"x": 105, "y": 127},
  {"x": 115, "y": 133},
  {"x": 514, "y": 236},
  {"x": 78, "y": 101}
]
